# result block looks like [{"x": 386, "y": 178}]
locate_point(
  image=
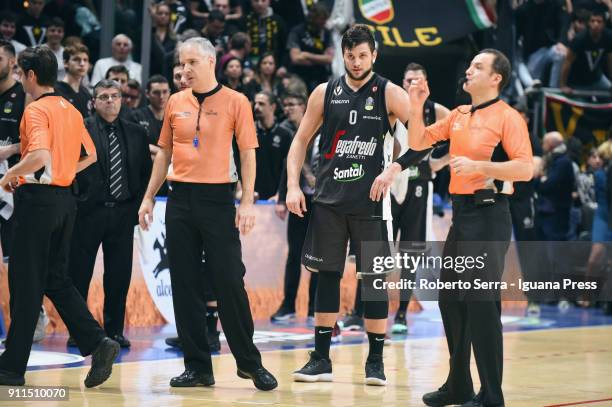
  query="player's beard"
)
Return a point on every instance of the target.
[
  {"x": 357, "y": 78},
  {"x": 4, "y": 74}
]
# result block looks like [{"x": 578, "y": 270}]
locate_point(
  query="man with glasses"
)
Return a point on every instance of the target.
[{"x": 114, "y": 187}]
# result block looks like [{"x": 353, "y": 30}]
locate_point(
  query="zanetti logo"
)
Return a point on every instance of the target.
[{"x": 353, "y": 173}]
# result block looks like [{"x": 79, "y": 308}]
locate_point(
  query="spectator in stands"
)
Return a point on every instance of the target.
[
  {"x": 132, "y": 95},
  {"x": 294, "y": 106},
  {"x": 164, "y": 39},
  {"x": 601, "y": 231},
  {"x": 540, "y": 23},
  {"x": 294, "y": 12},
  {"x": 232, "y": 9},
  {"x": 310, "y": 48},
  {"x": 180, "y": 15},
  {"x": 8, "y": 27},
  {"x": 579, "y": 21},
  {"x": 120, "y": 74},
  {"x": 239, "y": 47},
  {"x": 76, "y": 61},
  {"x": 151, "y": 116},
  {"x": 292, "y": 83},
  {"x": 214, "y": 30},
  {"x": 121, "y": 49},
  {"x": 585, "y": 186},
  {"x": 32, "y": 25},
  {"x": 232, "y": 75},
  {"x": 267, "y": 32},
  {"x": 274, "y": 142},
  {"x": 588, "y": 54},
  {"x": 55, "y": 36},
  {"x": 265, "y": 78},
  {"x": 554, "y": 186},
  {"x": 66, "y": 11}
]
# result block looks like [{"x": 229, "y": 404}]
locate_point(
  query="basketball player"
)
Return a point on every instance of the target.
[
  {"x": 355, "y": 113},
  {"x": 412, "y": 191}
]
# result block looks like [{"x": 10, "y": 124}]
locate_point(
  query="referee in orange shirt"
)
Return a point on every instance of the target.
[
  {"x": 489, "y": 148},
  {"x": 52, "y": 133},
  {"x": 200, "y": 124}
]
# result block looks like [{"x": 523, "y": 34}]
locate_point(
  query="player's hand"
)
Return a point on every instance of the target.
[
  {"x": 418, "y": 92},
  {"x": 296, "y": 201},
  {"x": 382, "y": 183},
  {"x": 464, "y": 166},
  {"x": 245, "y": 217},
  {"x": 145, "y": 213},
  {"x": 280, "y": 210}
]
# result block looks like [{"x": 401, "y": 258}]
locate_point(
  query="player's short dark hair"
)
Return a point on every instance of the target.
[
  {"x": 216, "y": 15},
  {"x": 413, "y": 66},
  {"x": 269, "y": 95},
  {"x": 8, "y": 47},
  {"x": 73, "y": 50},
  {"x": 155, "y": 79},
  {"x": 501, "y": 65},
  {"x": 117, "y": 69},
  {"x": 8, "y": 16},
  {"x": 41, "y": 60},
  {"x": 356, "y": 35},
  {"x": 239, "y": 40},
  {"x": 56, "y": 22}
]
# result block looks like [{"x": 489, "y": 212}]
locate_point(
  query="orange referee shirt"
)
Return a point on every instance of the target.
[
  {"x": 475, "y": 136},
  {"x": 52, "y": 123},
  {"x": 225, "y": 114}
]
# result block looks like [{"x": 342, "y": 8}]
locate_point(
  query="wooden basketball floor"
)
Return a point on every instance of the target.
[{"x": 553, "y": 367}]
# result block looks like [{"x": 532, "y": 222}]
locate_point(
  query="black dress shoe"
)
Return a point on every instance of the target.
[
  {"x": 477, "y": 401},
  {"x": 121, "y": 340},
  {"x": 71, "y": 343},
  {"x": 175, "y": 342},
  {"x": 262, "y": 379},
  {"x": 102, "y": 360},
  {"x": 442, "y": 397},
  {"x": 191, "y": 378},
  {"x": 11, "y": 379}
]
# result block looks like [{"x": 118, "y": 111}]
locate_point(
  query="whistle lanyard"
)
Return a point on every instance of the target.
[{"x": 196, "y": 138}]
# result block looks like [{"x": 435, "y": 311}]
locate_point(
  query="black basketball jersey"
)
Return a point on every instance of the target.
[
  {"x": 355, "y": 147},
  {"x": 12, "y": 105}
]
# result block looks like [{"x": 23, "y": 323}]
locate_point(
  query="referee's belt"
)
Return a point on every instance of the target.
[{"x": 478, "y": 200}]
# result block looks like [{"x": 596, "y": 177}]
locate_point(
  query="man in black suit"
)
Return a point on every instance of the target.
[{"x": 111, "y": 191}]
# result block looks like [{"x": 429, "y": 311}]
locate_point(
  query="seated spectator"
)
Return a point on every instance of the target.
[
  {"x": 540, "y": 24},
  {"x": 71, "y": 87},
  {"x": 214, "y": 30},
  {"x": 554, "y": 185},
  {"x": 295, "y": 85},
  {"x": 164, "y": 39},
  {"x": 132, "y": 95},
  {"x": 8, "y": 27},
  {"x": 240, "y": 46},
  {"x": 180, "y": 15},
  {"x": 231, "y": 9},
  {"x": 32, "y": 25},
  {"x": 232, "y": 75},
  {"x": 588, "y": 53},
  {"x": 119, "y": 74},
  {"x": 55, "y": 35},
  {"x": 310, "y": 48},
  {"x": 265, "y": 78},
  {"x": 121, "y": 49},
  {"x": 267, "y": 32}
]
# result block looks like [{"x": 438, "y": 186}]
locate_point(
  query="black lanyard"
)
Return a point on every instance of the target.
[
  {"x": 196, "y": 139},
  {"x": 483, "y": 105}
]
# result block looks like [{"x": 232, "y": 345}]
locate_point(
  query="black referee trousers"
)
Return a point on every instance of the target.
[
  {"x": 201, "y": 217},
  {"x": 112, "y": 226},
  {"x": 43, "y": 221},
  {"x": 473, "y": 318}
]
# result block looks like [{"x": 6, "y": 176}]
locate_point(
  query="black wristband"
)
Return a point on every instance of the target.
[{"x": 412, "y": 157}]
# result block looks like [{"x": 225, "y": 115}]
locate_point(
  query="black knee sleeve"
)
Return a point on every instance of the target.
[{"x": 328, "y": 292}]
